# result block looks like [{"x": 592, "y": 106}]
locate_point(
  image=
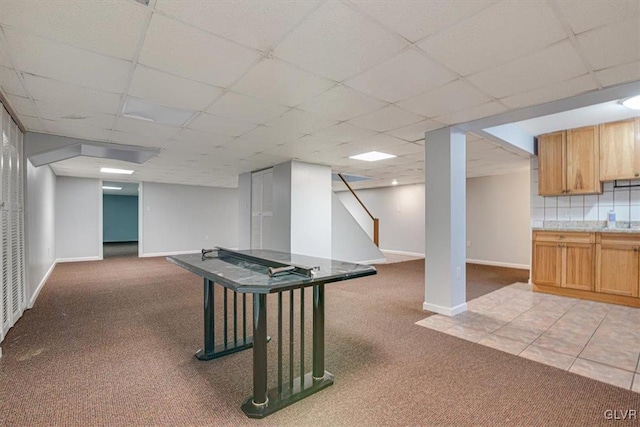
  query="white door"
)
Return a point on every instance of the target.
[
  {"x": 261, "y": 209},
  {"x": 13, "y": 293}
]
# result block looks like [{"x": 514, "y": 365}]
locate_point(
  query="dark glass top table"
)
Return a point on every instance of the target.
[{"x": 259, "y": 273}]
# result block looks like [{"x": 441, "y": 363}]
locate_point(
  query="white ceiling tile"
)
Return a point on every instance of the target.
[
  {"x": 265, "y": 136},
  {"x": 552, "y": 92},
  {"x": 612, "y": 45},
  {"x": 59, "y": 112},
  {"x": 244, "y": 108},
  {"x": 500, "y": 33},
  {"x": 188, "y": 52},
  {"x": 552, "y": 65},
  {"x": 172, "y": 91},
  {"x": 190, "y": 141},
  {"x": 69, "y": 96},
  {"x": 304, "y": 147},
  {"x": 108, "y": 27},
  {"x": 417, "y": 19},
  {"x": 75, "y": 131},
  {"x": 338, "y": 42},
  {"x": 343, "y": 132},
  {"x": 401, "y": 77},
  {"x": 36, "y": 55},
  {"x": 259, "y": 24},
  {"x": 586, "y": 15},
  {"x": 301, "y": 121},
  {"x": 379, "y": 142},
  {"x": 473, "y": 113},
  {"x": 620, "y": 74},
  {"x": 287, "y": 85},
  {"x": 407, "y": 149},
  {"x": 455, "y": 96},
  {"x": 137, "y": 139},
  {"x": 220, "y": 125},
  {"x": 23, "y": 106},
  {"x": 204, "y": 139},
  {"x": 415, "y": 132},
  {"x": 10, "y": 83},
  {"x": 341, "y": 103},
  {"x": 386, "y": 118},
  {"x": 146, "y": 128},
  {"x": 33, "y": 124}
]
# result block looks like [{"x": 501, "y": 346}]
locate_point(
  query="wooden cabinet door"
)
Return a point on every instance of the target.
[
  {"x": 578, "y": 266},
  {"x": 617, "y": 269},
  {"x": 551, "y": 164},
  {"x": 583, "y": 176},
  {"x": 547, "y": 263},
  {"x": 619, "y": 151}
]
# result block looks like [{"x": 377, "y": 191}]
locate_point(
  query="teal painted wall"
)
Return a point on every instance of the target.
[{"x": 119, "y": 218}]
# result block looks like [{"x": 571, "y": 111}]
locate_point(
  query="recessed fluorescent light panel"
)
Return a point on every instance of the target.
[
  {"x": 372, "y": 156},
  {"x": 108, "y": 187},
  {"x": 114, "y": 170},
  {"x": 633, "y": 103},
  {"x": 139, "y": 109}
]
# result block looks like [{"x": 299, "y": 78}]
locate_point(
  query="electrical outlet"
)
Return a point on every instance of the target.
[
  {"x": 468, "y": 243},
  {"x": 206, "y": 237},
  {"x": 458, "y": 272}
]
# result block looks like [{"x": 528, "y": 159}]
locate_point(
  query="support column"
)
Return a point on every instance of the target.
[{"x": 445, "y": 221}]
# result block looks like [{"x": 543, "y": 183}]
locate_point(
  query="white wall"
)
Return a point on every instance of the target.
[
  {"x": 497, "y": 218},
  {"x": 78, "y": 215},
  {"x": 401, "y": 213},
  {"x": 349, "y": 242},
  {"x": 40, "y": 227},
  {"x": 310, "y": 209},
  {"x": 185, "y": 218}
]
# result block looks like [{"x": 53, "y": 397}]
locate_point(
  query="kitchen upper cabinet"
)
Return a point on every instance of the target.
[
  {"x": 568, "y": 162},
  {"x": 552, "y": 178},
  {"x": 620, "y": 150},
  {"x": 563, "y": 259},
  {"x": 618, "y": 264}
]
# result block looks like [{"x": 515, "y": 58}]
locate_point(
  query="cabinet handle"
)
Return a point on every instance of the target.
[
  {"x": 635, "y": 249},
  {"x": 636, "y": 174}
]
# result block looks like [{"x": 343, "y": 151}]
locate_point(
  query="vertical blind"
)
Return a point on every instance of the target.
[{"x": 12, "y": 225}]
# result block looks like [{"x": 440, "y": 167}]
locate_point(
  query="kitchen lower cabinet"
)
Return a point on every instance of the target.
[
  {"x": 602, "y": 266},
  {"x": 564, "y": 259},
  {"x": 618, "y": 264}
]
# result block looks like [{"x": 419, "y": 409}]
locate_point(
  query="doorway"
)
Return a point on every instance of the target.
[{"x": 119, "y": 219}]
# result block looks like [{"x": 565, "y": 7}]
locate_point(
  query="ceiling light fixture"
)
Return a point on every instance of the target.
[
  {"x": 372, "y": 156},
  {"x": 394, "y": 182},
  {"x": 107, "y": 187},
  {"x": 114, "y": 170},
  {"x": 633, "y": 102}
]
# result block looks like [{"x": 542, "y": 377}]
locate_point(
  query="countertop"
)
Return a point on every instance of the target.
[{"x": 633, "y": 230}]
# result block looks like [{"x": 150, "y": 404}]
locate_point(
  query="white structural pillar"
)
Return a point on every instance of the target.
[{"x": 445, "y": 221}]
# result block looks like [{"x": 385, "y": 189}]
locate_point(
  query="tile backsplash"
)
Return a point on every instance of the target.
[{"x": 624, "y": 201}]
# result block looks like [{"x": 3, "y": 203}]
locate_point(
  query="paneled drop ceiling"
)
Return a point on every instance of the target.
[{"x": 318, "y": 81}]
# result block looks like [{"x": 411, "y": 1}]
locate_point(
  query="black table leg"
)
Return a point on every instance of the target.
[
  {"x": 318, "y": 332},
  {"x": 210, "y": 350},
  {"x": 264, "y": 402}
]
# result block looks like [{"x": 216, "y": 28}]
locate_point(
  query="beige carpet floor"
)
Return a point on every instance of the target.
[{"x": 111, "y": 343}]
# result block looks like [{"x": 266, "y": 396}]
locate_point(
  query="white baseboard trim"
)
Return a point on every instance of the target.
[
  {"x": 157, "y": 254},
  {"x": 32, "y": 301},
  {"x": 390, "y": 251},
  {"x": 88, "y": 258},
  {"x": 498, "y": 264},
  {"x": 441, "y": 309},
  {"x": 373, "y": 261}
]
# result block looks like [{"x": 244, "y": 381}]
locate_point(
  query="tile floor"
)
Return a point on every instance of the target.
[{"x": 592, "y": 339}]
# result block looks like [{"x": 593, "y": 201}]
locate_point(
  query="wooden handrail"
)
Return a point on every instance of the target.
[{"x": 376, "y": 221}]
